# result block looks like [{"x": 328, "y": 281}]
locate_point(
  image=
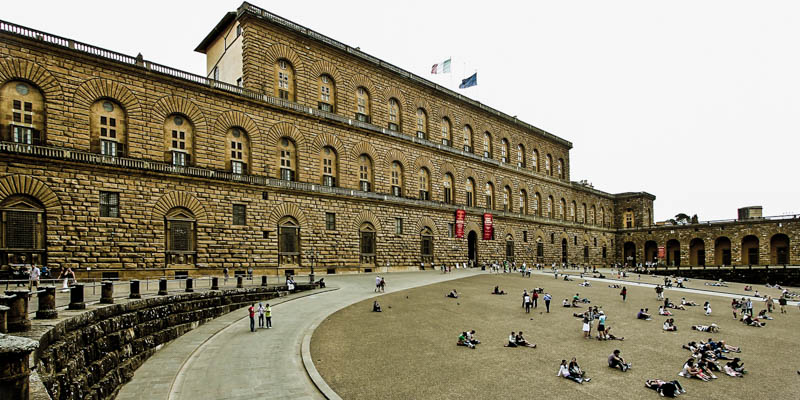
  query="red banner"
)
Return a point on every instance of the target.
[
  {"x": 488, "y": 227},
  {"x": 662, "y": 252},
  {"x": 460, "y": 216}
]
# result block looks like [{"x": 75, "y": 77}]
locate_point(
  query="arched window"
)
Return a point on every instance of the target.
[
  {"x": 23, "y": 113},
  {"x": 560, "y": 168},
  {"x": 628, "y": 218},
  {"x": 447, "y": 188},
  {"x": 562, "y": 209},
  {"x": 523, "y": 201},
  {"x": 487, "y": 145},
  {"x": 367, "y": 243},
  {"x": 288, "y": 242},
  {"x": 22, "y": 231},
  {"x": 446, "y": 130},
  {"x": 489, "y": 192},
  {"x": 468, "y": 138},
  {"x": 507, "y": 204},
  {"x": 395, "y": 114},
  {"x": 327, "y": 93},
  {"x": 510, "y": 248},
  {"x": 521, "y": 156},
  {"x": 470, "y": 192},
  {"x": 537, "y": 204},
  {"x": 397, "y": 179},
  {"x": 362, "y": 104},
  {"x": 585, "y": 216},
  {"x": 592, "y": 214},
  {"x": 108, "y": 128},
  {"x": 181, "y": 236},
  {"x": 238, "y": 150},
  {"x": 572, "y": 216},
  {"x": 422, "y": 124},
  {"x": 504, "y": 150},
  {"x": 548, "y": 165},
  {"x": 426, "y": 244},
  {"x": 329, "y": 165},
  {"x": 287, "y": 160},
  {"x": 424, "y": 184},
  {"x": 601, "y": 219},
  {"x": 549, "y": 209},
  {"x": 284, "y": 79},
  {"x": 365, "y": 173},
  {"x": 535, "y": 160},
  {"x": 179, "y": 140}
]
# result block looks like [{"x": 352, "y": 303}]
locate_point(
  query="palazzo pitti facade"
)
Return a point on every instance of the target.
[{"x": 297, "y": 150}]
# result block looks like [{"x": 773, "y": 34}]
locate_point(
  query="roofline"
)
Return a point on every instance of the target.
[
  {"x": 247, "y": 8},
  {"x": 227, "y": 19},
  {"x": 634, "y": 194}
]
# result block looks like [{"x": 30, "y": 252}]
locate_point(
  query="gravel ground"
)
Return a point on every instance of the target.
[{"x": 409, "y": 350}]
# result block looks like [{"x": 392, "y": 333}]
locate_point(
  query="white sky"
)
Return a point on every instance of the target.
[{"x": 695, "y": 102}]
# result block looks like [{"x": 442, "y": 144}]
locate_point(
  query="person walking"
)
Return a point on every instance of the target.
[
  {"x": 252, "y": 312},
  {"x": 377, "y": 283},
  {"x": 382, "y": 285},
  {"x": 35, "y": 275},
  {"x": 624, "y": 293},
  {"x": 260, "y": 315},
  {"x": 547, "y": 299},
  {"x": 535, "y": 299},
  {"x": 526, "y": 301},
  {"x": 268, "y": 316}
]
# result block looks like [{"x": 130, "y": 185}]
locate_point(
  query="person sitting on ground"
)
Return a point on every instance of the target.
[
  {"x": 669, "y": 325},
  {"x": 512, "y": 340},
  {"x": 565, "y": 303},
  {"x": 685, "y": 302},
  {"x": 642, "y": 314},
  {"x": 674, "y": 306},
  {"x": 563, "y": 370},
  {"x": 376, "y": 307},
  {"x": 498, "y": 291},
  {"x": 453, "y": 294},
  {"x": 567, "y": 278},
  {"x": 662, "y": 311},
  {"x": 707, "y": 308},
  {"x": 748, "y": 288},
  {"x": 707, "y": 367},
  {"x": 735, "y": 366},
  {"x": 706, "y": 328},
  {"x": 585, "y": 283},
  {"x": 726, "y": 347},
  {"x": 763, "y": 315},
  {"x": 522, "y": 342},
  {"x": 463, "y": 341},
  {"x": 609, "y": 336},
  {"x": 690, "y": 370},
  {"x": 575, "y": 370},
  {"x": 614, "y": 286},
  {"x": 614, "y": 361},
  {"x": 664, "y": 388},
  {"x": 471, "y": 337},
  {"x": 747, "y": 319}
]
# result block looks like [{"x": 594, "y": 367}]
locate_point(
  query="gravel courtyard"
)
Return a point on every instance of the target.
[{"x": 409, "y": 350}]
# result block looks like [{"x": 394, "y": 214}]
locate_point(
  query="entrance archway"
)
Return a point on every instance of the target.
[
  {"x": 697, "y": 252},
  {"x": 650, "y": 251},
  {"x": 750, "y": 250},
  {"x": 673, "y": 252},
  {"x": 564, "y": 251},
  {"x": 629, "y": 253},
  {"x": 472, "y": 248},
  {"x": 722, "y": 251},
  {"x": 779, "y": 249}
]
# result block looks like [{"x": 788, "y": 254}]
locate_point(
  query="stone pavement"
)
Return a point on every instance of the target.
[{"x": 224, "y": 360}]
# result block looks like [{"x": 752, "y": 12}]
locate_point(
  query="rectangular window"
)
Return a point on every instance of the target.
[
  {"x": 325, "y": 107},
  {"x": 238, "y": 167},
  {"x": 330, "y": 221},
  {"x": 108, "y": 148},
  {"x": 109, "y": 204},
  {"x": 604, "y": 252},
  {"x": 451, "y": 232},
  {"x": 239, "y": 214},
  {"x": 469, "y": 199},
  {"x": 180, "y": 235},
  {"x": 539, "y": 249},
  {"x": 525, "y": 236},
  {"x": 20, "y": 229},
  {"x": 179, "y": 158},
  {"x": 398, "y": 226}
]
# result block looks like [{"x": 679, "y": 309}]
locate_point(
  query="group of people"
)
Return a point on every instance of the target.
[
  {"x": 572, "y": 371},
  {"x": 264, "y": 312},
  {"x": 588, "y": 318},
  {"x": 467, "y": 339},
  {"x": 380, "y": 284},
  {"x": 704, "y": 361},
  {"x": 517, "y": 340}
]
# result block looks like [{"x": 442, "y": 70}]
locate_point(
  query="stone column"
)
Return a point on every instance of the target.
[
  {"x": 107, "y": 293},
  {"x": 214, "y": 283},
  {"x": 76, "y": 297},
  {"x": 263, "y": 280},
  {"x": 47, "y": 303},
  {"x": 3, "y": 319},
  {"x": 14, "y": 368},
  {"x": 162, "y": 287},
  {"x": 17, "y": 319},
  {"x": 135, "y": 290},
  {"x": 189, "y": 285},
  {"x": 239, "y": 282}
]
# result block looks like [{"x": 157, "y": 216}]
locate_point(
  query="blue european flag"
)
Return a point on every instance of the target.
[{"x": 471, "y": 81}]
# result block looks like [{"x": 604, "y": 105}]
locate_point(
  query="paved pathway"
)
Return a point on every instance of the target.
[{"x": 224, "y": 360}]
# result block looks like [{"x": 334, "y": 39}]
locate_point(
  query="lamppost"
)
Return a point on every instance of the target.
[{"x": 312, "y": 255}]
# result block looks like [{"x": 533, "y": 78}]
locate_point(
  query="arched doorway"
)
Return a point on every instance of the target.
[
  {"x": 697, "y": 252},
  {"x": 629, "y": 253},
  {"x": 472, "y": 248},
  {"x": 650, "y": 251},
  {"x": 673, "y": 252},
  {"x": 750, "y": 250},
  {"x": 564, "y": 250},
  {"x": 779, "y": 249},
  {"x": 426, "y": 244},
  {"x": 722, "y": 251}
]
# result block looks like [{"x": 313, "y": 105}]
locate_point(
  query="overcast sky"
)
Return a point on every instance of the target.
[{"x": 695, "y": 102}]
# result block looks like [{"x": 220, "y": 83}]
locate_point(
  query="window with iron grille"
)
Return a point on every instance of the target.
[
  {"x": 20, "y": 230},
  {"x": 180, "y": 234},
  {"x": 239, "y": 214},
  {"x": 109, "y": 204}
]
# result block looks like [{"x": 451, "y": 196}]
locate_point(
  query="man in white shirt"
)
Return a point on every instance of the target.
[
  {"x": 377, "y": 283},
  {"x": 35, "y": 274}
]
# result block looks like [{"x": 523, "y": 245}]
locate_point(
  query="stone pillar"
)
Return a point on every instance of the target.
[
  {"x": 3, "y": 319},
  {"x": 135, "y": 290},
  {"x": 189, "y": 285},
  {"x": 17, "y": 319},
  {"x": 47, "y": 303},
  {"x": 14, "y": 369},
  {"x": 263, "y": 280},
  {"x": 239, "y": 282},
  {"x": 107, "y": 293},
  {"x": 162, "y": 287},
  {"x": 214, "y": 283},
  {"x": 76, "y": 301}
]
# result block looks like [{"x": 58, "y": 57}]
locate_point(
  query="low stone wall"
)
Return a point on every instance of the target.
[{"x": 91, "y": 355}]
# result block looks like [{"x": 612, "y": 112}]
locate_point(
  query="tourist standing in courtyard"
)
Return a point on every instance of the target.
[
  {"x": 624, "y": 293},
  {"x": 268, "y": 316},
  {"x": 377, "y": 283},
  {"x": 252, "y": 312},
  {"x": 547, "y": 299},
  {"x": 260, "y": 315}
]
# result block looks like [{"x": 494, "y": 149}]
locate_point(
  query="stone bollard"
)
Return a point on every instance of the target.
[
  {"x": 214, "y": 283},
  {"x": 17, "y": 318},
  {"x": 107, "y": 293},
  {"x": 239, "y": 282},
  {"x": 76, "y": 297},
  {"x": 47, "y": 303},
  {"x": 3, "y": 319},
  {"x": 162, "y": 287},
  {"x": 263, "y": 280},
  {"x": 135, "y": 290},
  {"x": 189, "y": 285},
  {"x": 14, "y": 368}
]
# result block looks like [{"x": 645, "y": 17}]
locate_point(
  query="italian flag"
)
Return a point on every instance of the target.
[{"x": 441, "y": 68}]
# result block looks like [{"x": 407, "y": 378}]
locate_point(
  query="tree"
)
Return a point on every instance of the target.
[{"x": 682, "y": 219}]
